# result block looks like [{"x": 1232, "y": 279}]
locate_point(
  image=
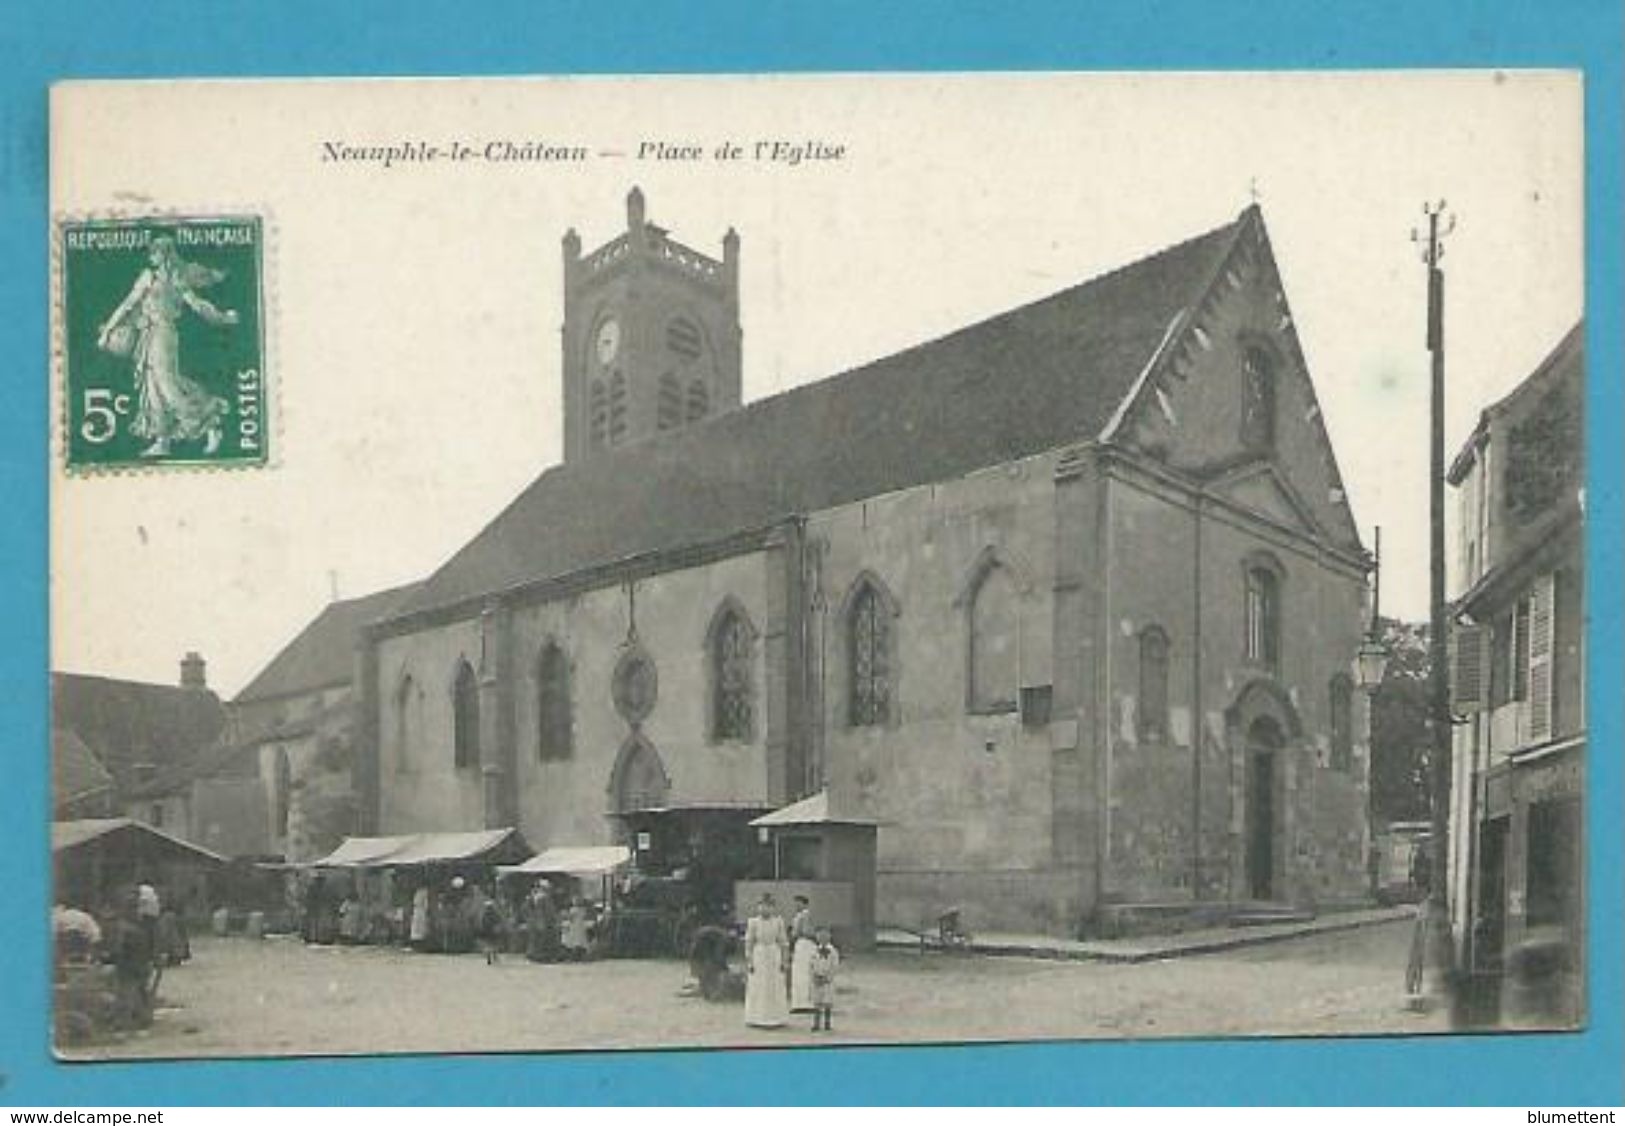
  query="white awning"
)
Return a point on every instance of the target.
[
  {"x": 359, "y": 852},
  {"x": 812, "y": 810},
  {"x": 592, "y": 860}
]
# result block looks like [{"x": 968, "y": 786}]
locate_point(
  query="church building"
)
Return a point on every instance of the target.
[{"x": 1065, "y": 604}]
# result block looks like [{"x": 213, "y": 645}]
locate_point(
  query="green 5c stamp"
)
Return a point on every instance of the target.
[{"x": 163, "y": 323}]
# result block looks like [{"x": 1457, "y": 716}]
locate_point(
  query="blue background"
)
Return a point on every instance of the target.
[{"x": 170, "y": 38}]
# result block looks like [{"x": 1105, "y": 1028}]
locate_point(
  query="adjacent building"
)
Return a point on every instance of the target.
[
  {"x": 112, "y": 739},
  {"x": 1065, "y": 602},
  {"x": 1517, "y": 830}
]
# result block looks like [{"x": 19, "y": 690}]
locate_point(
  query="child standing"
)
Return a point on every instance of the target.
[{"x": 826, "y": 960}]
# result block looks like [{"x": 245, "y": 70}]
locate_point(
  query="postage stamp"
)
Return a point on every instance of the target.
[{"x": 163, "y": 342}]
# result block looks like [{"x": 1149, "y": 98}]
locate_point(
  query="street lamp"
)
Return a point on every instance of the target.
[{"x": 1371, "y": 659}]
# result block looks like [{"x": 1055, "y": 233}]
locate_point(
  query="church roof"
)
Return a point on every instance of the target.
[
  {"x": 323, "y": 653},
  {"x": 1032, "y": 379}
]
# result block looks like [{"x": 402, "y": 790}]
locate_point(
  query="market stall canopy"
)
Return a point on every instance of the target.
[
  {"x": 363, "y": 852},
  {"x": 812, "y": 810},
  {"x": 127, "y": 837},
  {"x": 592, "y": 860},
  {"x": 486, "y": 846}
]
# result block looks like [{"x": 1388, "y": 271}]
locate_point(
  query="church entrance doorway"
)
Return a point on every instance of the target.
[{"x": 1264, "y": 743}]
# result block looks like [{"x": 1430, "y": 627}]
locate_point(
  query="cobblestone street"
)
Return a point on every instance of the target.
[{"x": 280, "y": 997}]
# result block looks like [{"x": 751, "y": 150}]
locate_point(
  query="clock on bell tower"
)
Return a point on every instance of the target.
[{"x": 651, "y": 335}]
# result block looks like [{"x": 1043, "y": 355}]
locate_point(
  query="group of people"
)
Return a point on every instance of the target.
[
  {"x": 447, "y": 914},
  {"x": 135, "y": 933},
  {"x": 789, "y": 967}
]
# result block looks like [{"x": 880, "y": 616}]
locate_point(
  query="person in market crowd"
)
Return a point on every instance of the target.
[
  {"x": 822, "y": 966},
  {"x": 491, "y": 927},
  {"x": 767, "y": 1002},
  {"x": 456, "y": 925},
  {"x": 542, "y": 939},
  {"x": 131, "y": 952},
  {"x": 577, "y": 936},
  {"x": 803, "y": 938},
  {"x": 149, "y": 907},
  {"x": 417, "y": 935},
  {"x": 349, "y": 919}
]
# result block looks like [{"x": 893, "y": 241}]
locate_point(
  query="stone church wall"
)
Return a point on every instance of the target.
[
  {"x": 1321, "y": 821},
  {"x": 964, "y": 800},
  {"x": 566, "y": 801}
]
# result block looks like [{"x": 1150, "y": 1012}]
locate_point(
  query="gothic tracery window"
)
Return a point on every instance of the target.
[
  {"x": 869, "y": 659},
  {"x": 731, "y": 644}
]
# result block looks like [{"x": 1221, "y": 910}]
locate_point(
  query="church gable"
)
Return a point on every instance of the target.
[
  {"x": 1260, "y": 489},
  {"x": 1229, "y": 391}
]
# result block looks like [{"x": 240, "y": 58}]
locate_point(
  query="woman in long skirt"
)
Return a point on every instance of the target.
[
  {"x": 766, "y": 1002},
  {"x": 802, "y": 943}
]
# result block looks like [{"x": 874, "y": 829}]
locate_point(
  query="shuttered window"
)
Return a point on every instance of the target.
[
  {"x": 1542, "y": 606},
  {"x": 1469, "y": 674}
]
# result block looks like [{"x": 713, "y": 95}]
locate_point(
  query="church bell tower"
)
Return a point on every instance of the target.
[{"x": 651, "y": 335}]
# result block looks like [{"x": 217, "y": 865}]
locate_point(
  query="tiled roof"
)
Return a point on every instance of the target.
[
  {"x": 126, "y": 723},
  {"x": 76, "y": 773},
  {"x": 1033, "y": 379},
  {"x": 323, "y": 654}
]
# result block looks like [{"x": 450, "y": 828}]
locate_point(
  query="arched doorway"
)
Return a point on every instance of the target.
[
  {"x": 1262, "y": 820},
  {"x": 639, "y": 780}
]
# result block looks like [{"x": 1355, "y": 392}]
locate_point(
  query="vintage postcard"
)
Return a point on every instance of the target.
[{"x": 776, "y": 561}]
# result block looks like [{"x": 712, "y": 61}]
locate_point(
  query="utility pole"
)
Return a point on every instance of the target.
[{"x": 1441, "y": 956}]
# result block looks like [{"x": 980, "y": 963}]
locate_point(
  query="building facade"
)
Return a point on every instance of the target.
[
  {"x": 1065, "y": 602},
  {"x": 1517, "y": 830}
]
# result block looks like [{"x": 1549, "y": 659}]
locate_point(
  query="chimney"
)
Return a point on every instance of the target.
[{"x": 194, "y": 671}]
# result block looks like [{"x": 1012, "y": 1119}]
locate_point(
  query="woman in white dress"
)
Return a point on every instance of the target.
[
  {"x": 766, "y": 1003},
  {"x": 802, "y": 943}
]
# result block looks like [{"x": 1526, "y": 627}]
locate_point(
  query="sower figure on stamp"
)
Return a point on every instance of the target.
[{"x": 169, "y": 406}]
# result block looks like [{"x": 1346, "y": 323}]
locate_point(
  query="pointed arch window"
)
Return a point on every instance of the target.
[
  {"x": 1342, "y": 722},
  {"x": 284, "y": 792},
  {"x": 1258, "y": 400},
  {"x": 699, "y": 400},
  {"x": 994, "y": 642},
  {"x": 669, "y": 403},
  {"x": 731, "y": 676},
  {"x": 1263, "y": 617},
  {"x": 869, "y": 641},
  {"x": 465, "y": 717},
  {"x": 598, "y": 410},
  {"x": 406, "y": 725},
  {"x": 553, "y": 709},
  {"x": 618, "y": 419},
  {"x": 1152, "y": 716}
]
